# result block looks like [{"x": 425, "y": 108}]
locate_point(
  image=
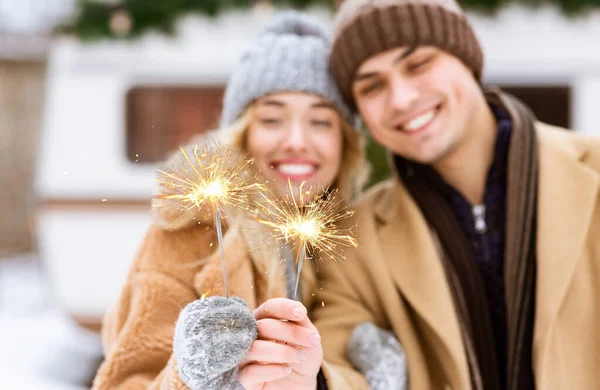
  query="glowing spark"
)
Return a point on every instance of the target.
[
  {"x": 313, "y": 226},
  {"x": 314, "y": 223},
  {"x": 205, "y": 294},
  {"x": 215, "y": 177}
]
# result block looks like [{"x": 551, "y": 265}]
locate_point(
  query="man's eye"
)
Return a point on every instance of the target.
[{"x": 371, "y": 88}]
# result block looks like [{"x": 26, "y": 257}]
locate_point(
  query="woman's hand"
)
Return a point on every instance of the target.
[{"x": 287, "y": 353}]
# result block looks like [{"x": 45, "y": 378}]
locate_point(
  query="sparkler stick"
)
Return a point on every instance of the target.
[
  {"x": 217, "y": 216},
  {"x": 216, "y": 177},
  {"x": 300, "y": 257}
]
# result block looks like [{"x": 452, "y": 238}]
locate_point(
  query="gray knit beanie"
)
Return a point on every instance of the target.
[{"x": 290, "y": 55}]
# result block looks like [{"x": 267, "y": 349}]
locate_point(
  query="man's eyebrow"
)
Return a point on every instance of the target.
[
  {"x": 405, "y": 54},
  {"x": 368, "y": 75},
  {"x": 365, "y": 76}
]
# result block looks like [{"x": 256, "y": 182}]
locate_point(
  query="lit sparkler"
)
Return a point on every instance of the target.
[
  {"x": 313, "y": 225},
  {"x": 215, "y": 177}
]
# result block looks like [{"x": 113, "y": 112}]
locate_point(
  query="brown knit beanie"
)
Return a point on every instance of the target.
[{"x": 364, "y": 28}]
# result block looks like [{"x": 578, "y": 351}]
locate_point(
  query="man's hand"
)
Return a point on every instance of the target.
[{"x": 287, "y": 353}]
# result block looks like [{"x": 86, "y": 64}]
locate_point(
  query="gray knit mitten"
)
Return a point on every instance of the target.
[
  {"x": 212, "y": 336},
  {"x": 378, "y": 355}
]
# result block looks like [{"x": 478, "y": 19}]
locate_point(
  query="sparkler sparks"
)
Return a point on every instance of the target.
[
  {"x": 312, "y": 225},
  {"x": 215, "y": 177}
]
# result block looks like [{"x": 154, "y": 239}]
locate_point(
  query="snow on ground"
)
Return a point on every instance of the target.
[{"x": 41, "y": 347}]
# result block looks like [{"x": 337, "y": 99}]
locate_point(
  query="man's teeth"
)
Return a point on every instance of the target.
[
  {"x": 296, "y": 169},
  {"x": 420, "y": 121}
]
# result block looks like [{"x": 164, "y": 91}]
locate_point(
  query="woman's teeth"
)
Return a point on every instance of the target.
[{"x": 296, "y": 169}]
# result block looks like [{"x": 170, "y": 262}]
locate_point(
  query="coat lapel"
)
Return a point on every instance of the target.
[
  {"x": 410, "y": 251},
  {"x": 568, "y": 192}
]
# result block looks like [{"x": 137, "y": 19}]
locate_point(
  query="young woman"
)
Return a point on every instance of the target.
[{"x": 282, "y": 108}]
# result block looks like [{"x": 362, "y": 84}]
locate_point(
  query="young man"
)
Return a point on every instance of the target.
[{"x": 482, "y": 254}]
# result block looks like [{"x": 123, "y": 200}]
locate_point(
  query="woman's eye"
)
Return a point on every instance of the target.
[
  {"x": 270, "y": 121},
  {"x": 321, "y": 123}
]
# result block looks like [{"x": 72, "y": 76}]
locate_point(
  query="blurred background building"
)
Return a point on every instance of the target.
[{"x": 86, "y": 115}]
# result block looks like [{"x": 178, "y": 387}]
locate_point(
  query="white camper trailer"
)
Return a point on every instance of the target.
[{"x": 103, "y": 120}]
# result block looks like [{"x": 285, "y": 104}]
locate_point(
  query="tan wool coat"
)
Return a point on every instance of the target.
[
  {"x": 396, "y": 278},
  {"x": 172, "y": 268}
]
